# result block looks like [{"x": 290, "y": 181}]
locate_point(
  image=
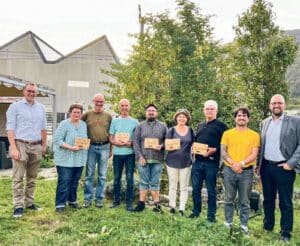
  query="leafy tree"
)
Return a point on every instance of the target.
[
  {"x": 263, "y": 55},
  {"x": 172, "y": 64}
]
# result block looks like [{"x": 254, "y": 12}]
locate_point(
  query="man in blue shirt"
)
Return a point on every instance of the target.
[
  {"x": 27, "y": 133},
  {"x": 121, "y": 133}
]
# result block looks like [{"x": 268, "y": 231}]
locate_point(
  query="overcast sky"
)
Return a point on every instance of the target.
[{"x": 69, "y": 24}]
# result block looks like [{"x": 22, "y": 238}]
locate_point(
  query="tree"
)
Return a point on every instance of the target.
[
  {"x": 263, "y": 55},
  {"x": 172, "y": 64}
]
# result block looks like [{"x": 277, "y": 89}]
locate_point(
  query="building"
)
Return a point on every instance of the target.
[{"x": 75, "y": 77}]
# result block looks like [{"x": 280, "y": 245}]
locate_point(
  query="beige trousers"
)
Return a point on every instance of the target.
[
  {"x": 28, "y": 164},
  {"x": 183, "y": 176}
]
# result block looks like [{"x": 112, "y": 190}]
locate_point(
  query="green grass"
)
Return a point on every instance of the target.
[{"x": 107, "y": 226}]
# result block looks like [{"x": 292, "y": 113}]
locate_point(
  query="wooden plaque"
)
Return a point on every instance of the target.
[
  {"x": 200, "y": 149},
  {"x": 122, "y": 137},
  {"x": 172, "y": 144},
  {"x": 151, "y": 143},
  {"x": 82, "y": 142}
]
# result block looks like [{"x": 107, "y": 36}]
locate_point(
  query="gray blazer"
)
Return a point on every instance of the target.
[{"x": 289, "y": 139}]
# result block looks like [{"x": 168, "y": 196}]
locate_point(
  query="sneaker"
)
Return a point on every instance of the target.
[
  {"x": 193, "y": 216},
  {"x": 211, "y": 219},
  {"x": 86, "y": 204},
  {"x": 34, "y": 207},
  {"x": 157, "y": 208},
  {"x": 285, "y": 236},
  {"x": 227, "y": 224},
  {"x": 172, "y": 211},
  {"x": 129, "y": 208},
  {"x": 140, "y": 207},
  {"x": 60, "y": 209},
  {"x": 18, "y": 213},
  {"x": 245, "y": 229},
  {"x": 99, "y": 204},
  {"x": 114, "y": 204},
  {"x": 74, "y": 205},
  {"x": 181, "y": 213}
]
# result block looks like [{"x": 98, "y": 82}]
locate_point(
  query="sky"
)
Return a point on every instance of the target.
[{"x": 69, "y": 24}]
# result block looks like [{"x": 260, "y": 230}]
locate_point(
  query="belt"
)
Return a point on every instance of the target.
[
  {"x": 274, "y": 162},
  {"x": 28, "y": 142},
  {"x": 247, "y": 168},
  {"x": 99, "y": 143}
]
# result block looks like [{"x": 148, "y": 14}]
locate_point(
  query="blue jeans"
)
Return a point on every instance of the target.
[
  {"x": 97, "y": 154},
  {"x": 275, "y": 179},
  {"x": 205, "y": 171},
  {"x": 67, "y": 184},
  {"x": 118, "y": 163},
  {"x": 237, "y": 183},
  {"x": 150, "y": 176}
]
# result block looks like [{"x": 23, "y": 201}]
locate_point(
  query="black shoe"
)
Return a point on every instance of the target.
[
  {"x": 285, "y": 236},
  {"x": 172, "y": 211},
  {"x": 193, "y": 216},
  {"x": 181, "y": 213},
  {"x": 99, "y": 204},
  {"x": 211, "y": 220},
  {"x": 18, "y": 213},
  {"x": 114, "y": 204},
  {"x": 34, "y": 207},
  {"x": 129, "y": 208},
  {"x": 157, "y": 208},
  {"x": 60, "y": 209},
  {"x": 140, "y": 207},
  {"x": 74, "y": 205},
  {"x": 86, "y": 204}
]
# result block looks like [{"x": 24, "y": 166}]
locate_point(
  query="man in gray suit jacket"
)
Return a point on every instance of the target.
[{"x": 279, "y": 155}]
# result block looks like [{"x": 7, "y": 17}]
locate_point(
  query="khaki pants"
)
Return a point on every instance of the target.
[
  {"x": 29, "y": 164},
  {"x": 183, "y": 176}
]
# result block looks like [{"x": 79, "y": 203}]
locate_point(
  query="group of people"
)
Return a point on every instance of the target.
[{"x": 274, "y": 152}]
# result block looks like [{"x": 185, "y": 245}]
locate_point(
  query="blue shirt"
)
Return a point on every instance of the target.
[
  {"x": 123, "y": 125},
  {"x": 66, "y": 133},
  {"x": 26, "y": 120},
  {"x": 272, "y": 145}
]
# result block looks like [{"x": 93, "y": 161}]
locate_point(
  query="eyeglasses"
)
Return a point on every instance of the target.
[
  {"x": 98, "y": 101},
  {"x": 31, "y": 91},
  {"x": 277, "y": 103}
]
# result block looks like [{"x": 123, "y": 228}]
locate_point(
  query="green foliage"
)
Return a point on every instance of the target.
[
  {"x": 173, "y": 64},
  {"x": 47, "y": 159},
  {"x": 263, "y": 55}
]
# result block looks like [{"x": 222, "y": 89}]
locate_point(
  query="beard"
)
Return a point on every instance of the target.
[{"x": 151, "y": 119}]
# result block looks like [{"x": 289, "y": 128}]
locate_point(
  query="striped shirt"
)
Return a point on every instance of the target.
[{"x": 147, "y": 129}]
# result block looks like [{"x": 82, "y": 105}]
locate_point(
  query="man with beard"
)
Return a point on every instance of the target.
[
  {"x": 239, "y": 148},
  {"x": 279, "y": 155},
  {"x": 149, "y": 156}
]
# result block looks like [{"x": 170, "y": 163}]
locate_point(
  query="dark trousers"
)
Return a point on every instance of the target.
[
  {"x": 67, "y": 184},
  {"x": 204, "y": 171},
  {"x": 276, "y": 179},
  {"x": 119, "y": 161}
]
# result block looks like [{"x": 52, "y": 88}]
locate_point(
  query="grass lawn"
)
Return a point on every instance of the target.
[{"x": 107, "y": 226}]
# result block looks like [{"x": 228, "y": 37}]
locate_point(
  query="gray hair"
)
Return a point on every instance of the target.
[{"x": 211, "y": 102}]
